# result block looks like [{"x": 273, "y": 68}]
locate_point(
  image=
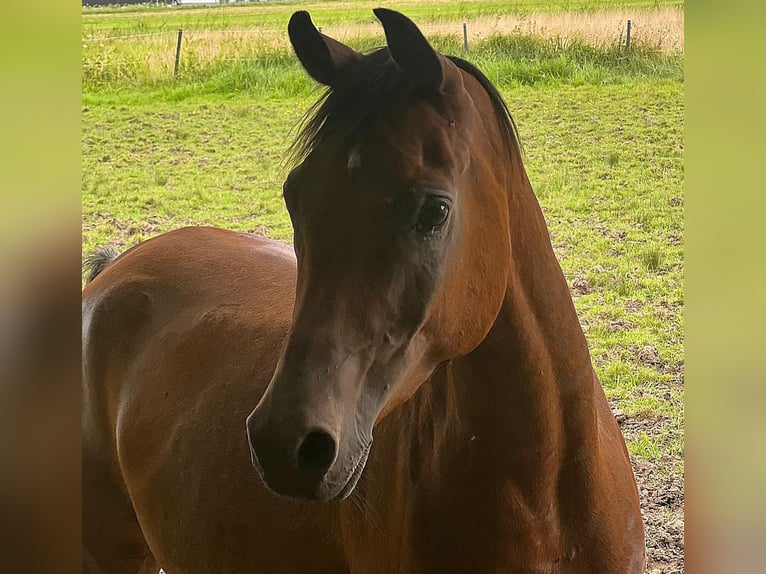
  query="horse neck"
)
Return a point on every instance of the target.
[
  {"x": 526, "y": 393},
  {"x": 504, "y": 421}
]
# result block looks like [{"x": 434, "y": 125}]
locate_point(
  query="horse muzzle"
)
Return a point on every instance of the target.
[{"x": 304, "y": 464}]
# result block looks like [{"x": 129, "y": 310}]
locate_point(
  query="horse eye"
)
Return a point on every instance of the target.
[{"x": 432, "y": 214}]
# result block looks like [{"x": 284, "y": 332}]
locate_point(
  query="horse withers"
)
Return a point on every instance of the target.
[{"x": 423, "y": 307}]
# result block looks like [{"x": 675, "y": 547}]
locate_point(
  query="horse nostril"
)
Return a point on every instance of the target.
[{"x": 317, "y": 451}]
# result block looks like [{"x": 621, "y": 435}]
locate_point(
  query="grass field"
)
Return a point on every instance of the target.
[
  {"x": 245, "y": 47},
  {"x": 602, "y": 130},
  {"x": 110, "y": 20}
]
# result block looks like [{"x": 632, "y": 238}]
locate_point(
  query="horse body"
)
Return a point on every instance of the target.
[
  {"x": 455, "y": 338},
  {"x": 187, "y": 327},
  {"x": 457, "y": 481}
]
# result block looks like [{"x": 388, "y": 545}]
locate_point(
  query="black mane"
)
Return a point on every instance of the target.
[
  {"x": 97, "y": 261},
  {"x": 342, "y": 110}
]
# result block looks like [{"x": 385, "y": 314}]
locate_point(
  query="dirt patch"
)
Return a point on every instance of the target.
[
  {"x": 580, "y": 286},
  {"x": 662, "y": 506},
  {"x": 661, "y": 496},
  {"x": 649, "y": 356},
  {"x": 676, "y": 201},
  {"x": 617, "y": 325},
  {"x": 676, "y": 240}
]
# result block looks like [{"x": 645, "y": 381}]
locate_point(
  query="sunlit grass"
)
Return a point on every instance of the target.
[
  {"x": 113, "y": 20},
  {"x": 242, "y": 65}
]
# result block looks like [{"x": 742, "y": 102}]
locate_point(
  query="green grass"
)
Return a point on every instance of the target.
[
  {"x": 127, "y": 74},
  {"x": 602, "y": 130},
  {"x": 110, "y": 20},
  {"x": 256, "y": 59},
  {"x": 149, "y": 168}
]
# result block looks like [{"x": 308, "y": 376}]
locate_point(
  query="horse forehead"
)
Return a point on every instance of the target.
[{"x": 408, "y": 140}]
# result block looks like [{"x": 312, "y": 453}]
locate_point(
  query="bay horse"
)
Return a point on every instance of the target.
[{"x": 422, "y": 305}]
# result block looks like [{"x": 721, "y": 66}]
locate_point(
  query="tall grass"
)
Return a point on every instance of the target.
[{"x": 237, "y": 64}]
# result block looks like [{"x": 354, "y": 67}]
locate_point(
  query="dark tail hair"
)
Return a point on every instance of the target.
[{"x": 97, "y": 261}]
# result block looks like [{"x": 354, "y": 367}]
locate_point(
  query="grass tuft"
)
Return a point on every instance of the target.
[{"x": 652, "y": 258}]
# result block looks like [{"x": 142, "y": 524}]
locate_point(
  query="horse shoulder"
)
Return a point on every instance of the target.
[{"x": 190, "y": 283}]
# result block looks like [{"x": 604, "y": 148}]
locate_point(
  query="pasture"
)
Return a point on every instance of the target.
[{"x": 601, "y": 127}]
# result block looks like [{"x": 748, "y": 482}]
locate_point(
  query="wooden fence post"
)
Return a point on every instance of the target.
[
  {"x": 627, "y": 37},
  {"x": 178, "y": 51},
  {"x": 465, "y": 36}
]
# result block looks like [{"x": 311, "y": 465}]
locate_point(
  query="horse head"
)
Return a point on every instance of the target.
[{"x": 399, "y": 207}]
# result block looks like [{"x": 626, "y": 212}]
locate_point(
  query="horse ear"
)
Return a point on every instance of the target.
[
  {"x": 410, "y": 49},
  {"x": 323, "y": 57}
]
